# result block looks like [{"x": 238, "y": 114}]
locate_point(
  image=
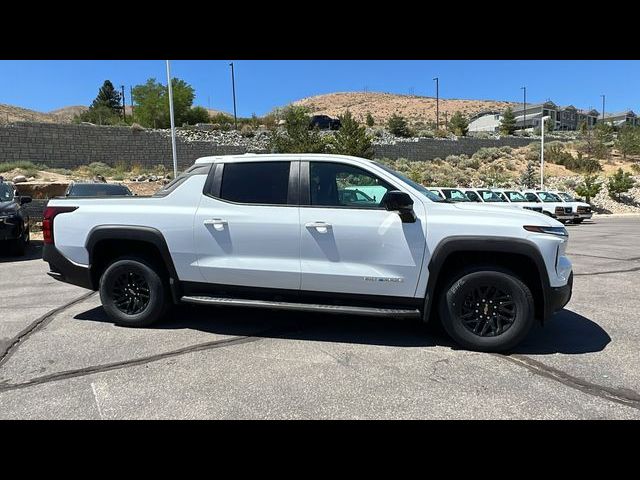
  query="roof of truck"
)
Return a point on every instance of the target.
[{"x": 277, "y": 156}]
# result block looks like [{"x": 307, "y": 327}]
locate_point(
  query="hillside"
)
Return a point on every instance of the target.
[
  {"x": 10, "y": 113},
  {"x": 383, "y": 105}
]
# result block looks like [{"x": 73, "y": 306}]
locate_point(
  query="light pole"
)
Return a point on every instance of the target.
[
  {"x": 437, "y": 103},
  {"x": 542, "y": 153},
  {"x": 524, "y": 105},
  {"x": 233, "y": 86},
  {"x": 602, "y": 108},
  {"x": 173, "y": 126}
]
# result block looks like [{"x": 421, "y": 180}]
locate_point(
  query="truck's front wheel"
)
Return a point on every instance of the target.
[
  {"x": 132, "y": 293},
  {"x": 487, "y": 310}
]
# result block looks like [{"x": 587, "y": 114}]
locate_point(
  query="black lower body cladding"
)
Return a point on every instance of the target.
[{"x": 66, "y": 271}]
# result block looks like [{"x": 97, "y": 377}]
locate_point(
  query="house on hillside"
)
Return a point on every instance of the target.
[
  {"x": 487, "y": 121},
  {"x": 590, "y": 117},
  {"x": 529, "y": 115},
  {"x": 621, "y": 118}
]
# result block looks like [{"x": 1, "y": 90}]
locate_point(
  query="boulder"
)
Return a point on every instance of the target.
[{"x": 19, "y": 179}]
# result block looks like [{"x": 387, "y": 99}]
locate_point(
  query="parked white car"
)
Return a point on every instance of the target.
[
  {"x": 487, "y": 196},
  {"x": 449, "y": 193},
  {"x": 275, "y": 231},
  {"x": 551, "y": 204},
  {"x": 517, "y": 198},
  {"x": 582, "y": 210}
]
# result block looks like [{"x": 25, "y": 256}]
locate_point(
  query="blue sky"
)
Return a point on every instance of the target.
[{"x": 261, "y": 85}]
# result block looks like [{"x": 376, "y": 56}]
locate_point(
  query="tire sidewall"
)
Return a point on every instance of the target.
[
  {"x": 456, "y": 293},
  {"x": 157, "y": 293}
]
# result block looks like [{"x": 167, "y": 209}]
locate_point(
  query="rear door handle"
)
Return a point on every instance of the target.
[
  {"x": 321, "y": 227},
  {"x": 216, "y": 223}
]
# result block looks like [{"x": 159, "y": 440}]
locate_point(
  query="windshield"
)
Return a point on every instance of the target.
[
  {"x": 97, "y": 190},
  {"x": 455, "y": 195},
  {"x": 548, "y": 197},
  {"x": 566, "y": 197},
  {"x": 489, "y": 196},
  {"x": 515, "y": 196},
  {"x": 6, "y": 192},
  {"x": 421, "y": 188}
]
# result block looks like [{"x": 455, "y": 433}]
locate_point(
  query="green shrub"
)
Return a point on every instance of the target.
[
  {"x": 487, "y": 153},
  {"x": 619, "y": 183},
  {"x": 398, "y": 126},
  {"x": 589, "y": 188},
  {"x": 369, "y": 120}
]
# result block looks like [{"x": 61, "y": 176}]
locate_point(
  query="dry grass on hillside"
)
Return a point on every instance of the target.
[{"x": 384, "y": 105}]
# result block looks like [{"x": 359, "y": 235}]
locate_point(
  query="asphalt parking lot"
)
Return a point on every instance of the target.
[{"x": 60, "y": 357}]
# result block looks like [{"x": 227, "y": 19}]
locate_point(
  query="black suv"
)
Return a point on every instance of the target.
[
  {"x": 325, "y": 122},
  {"x": 14, "y": 221}
]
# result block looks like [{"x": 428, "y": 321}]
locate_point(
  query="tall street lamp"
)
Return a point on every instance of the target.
[
  {"x": 173, "y": 125},
  {"x": 524, "y": 105},
  {"x": 233, "y": 86},
  {"x": 542, "y": 153},
  {"x": 437, "y": 103}
]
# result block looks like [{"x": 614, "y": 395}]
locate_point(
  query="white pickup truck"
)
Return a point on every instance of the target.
[{"x": 278, "y": 231}]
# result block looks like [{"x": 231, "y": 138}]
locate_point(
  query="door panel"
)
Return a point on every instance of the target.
[
  {"x": 360, "y": 249},
  {"x": 248, "y": 244}
]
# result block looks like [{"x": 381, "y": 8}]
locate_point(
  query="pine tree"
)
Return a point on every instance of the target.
[
  {"x": 108, "y": 97},
  {"x": 398, "y": 126},
  {"x": 370, "y": 121},
  {"x": 458, "y": 125},
  {"x": 619, "y": 183},
  {"x": 105, "y": 108},
  {"x": 352, "y": 138},
  {"x": 508, "y": 122},
  {"x": 589, "y": 188},
  {"x": 529, "y": 176}
]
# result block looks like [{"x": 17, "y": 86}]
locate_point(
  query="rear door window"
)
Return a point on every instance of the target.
[{"x": 264, "y": 183}]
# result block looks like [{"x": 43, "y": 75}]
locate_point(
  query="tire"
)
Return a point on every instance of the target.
[
  {"x": 476, "y": 333},
  {"x": 578, "y": 220},
  {"x": 133, "y": 293}
]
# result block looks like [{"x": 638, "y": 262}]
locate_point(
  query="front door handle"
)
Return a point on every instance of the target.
[
  {"x": 321, "y": 227},
  {"x": 216, "y": 223}
]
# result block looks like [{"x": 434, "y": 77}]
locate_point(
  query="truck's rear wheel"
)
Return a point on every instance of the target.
[
  {"x": 132, "y": 293},
  {"x": 487, "y": 310}
]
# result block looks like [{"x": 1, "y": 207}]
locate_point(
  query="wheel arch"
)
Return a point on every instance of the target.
[
  {"x": 106, "y": 242},
  {"x": 520, "y": 256}
]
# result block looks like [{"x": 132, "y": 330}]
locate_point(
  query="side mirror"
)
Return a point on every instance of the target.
[
  {"x": 24, "y": 200},
  {"x": 401, "y": 202}
]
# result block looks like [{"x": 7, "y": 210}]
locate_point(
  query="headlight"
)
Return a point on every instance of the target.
[{"x": 560, "y": 231}]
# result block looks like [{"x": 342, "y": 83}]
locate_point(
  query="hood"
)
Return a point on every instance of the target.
[
  {"x": 497, "y": 215},
  {"x": 8, "y": 207}
]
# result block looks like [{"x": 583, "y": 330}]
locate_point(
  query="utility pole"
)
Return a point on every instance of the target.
[
  {"x": 542, "y": 153},
  {"x": 173, "y": 125},
  {"x": 131, "y": 99},
  {"x": 233, "y": 86},
  {"x": 524, "y": 104},
  {"x": 124, "y": 114},
  {"x": 602, "y": 108},
  {"x": 437, "y": 103}
]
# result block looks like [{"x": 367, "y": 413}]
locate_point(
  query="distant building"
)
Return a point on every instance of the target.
[
  {"x": 530, "y": 115},
  {"x": 488, "y": 121},
  {"x": 621, "y": 118},
  {"x": 590, "y": 117},
  {"x": 567, "y": 118}
]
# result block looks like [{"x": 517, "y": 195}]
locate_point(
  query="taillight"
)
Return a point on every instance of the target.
[{"x": 47, "y": 221}]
